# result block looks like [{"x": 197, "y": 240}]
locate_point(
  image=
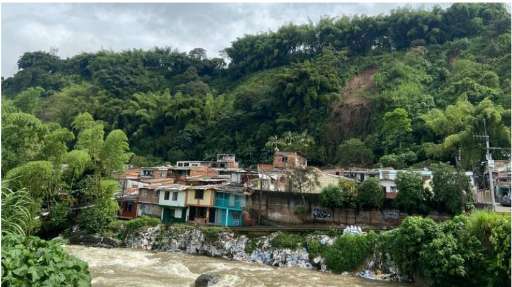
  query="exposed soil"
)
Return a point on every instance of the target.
[{"x": 351, "y": 114}]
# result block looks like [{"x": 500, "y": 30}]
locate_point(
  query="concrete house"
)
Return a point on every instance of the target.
[
  {"x": 172, "y": 200},
  {"x": 200, "y": 203},
  {"x": 127, "y": 198},
  {"x": 286, "y": 160},
  {"x": 148, "y": 203},
  {"x": 229, "y": 203}
]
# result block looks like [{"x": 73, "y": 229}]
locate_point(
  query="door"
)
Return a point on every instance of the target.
[{"x": 168, "y": 215}]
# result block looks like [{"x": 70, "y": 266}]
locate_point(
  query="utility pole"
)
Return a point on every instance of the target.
[{"x": 490, "y": 164}]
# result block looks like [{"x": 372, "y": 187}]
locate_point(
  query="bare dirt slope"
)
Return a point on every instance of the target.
[{"x": 350, "y": 115}]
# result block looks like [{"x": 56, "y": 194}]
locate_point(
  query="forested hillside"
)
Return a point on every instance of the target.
[{"x": 402, "y": 89}]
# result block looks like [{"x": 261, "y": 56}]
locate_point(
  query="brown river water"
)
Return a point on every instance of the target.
[{"x": 131, "y": 267}]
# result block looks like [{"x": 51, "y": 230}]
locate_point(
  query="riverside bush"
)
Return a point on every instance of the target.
[
  {"x": 470, "y": 250},
  {"x": 31, "y": 261},
  {"x": 314, "y": 248},
  {"x": 139, "y": 222},
  {"x": 348, "y": 252},
  {"x": 211, "y": 233},
  {"x": 287, "y": 240}
]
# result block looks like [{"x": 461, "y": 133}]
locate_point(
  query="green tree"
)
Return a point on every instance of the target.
[
  {"x": 396, "y": 129},
  {"x": 101, "y": 208},
  {"x": 458, "y": 124},
  {"x": 29, "y": 100},
  {"x": 331, "y": 197},
  {"x": 408, "y": 241},
  {"x": 354, "y": 152},
  {"x": 412, "y": 197},
  {"x": 115, "y": 153},
  {"x": 56, "y": 143},
  {"x": 451, "y": 189},
  {"x": 22, "y": 139},
  {"x": 348, "y": 193},
  {"x": 38, "y": 177},
  {"x": 370, "y": 194}
]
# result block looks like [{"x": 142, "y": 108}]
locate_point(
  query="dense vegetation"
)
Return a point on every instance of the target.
[
  {"x": 469, "y": 250},
  {"x": 407, "y": 88},
  {"x": 31, "y": 261},
  {"x": 449, "y": 192},
  {"x": 28, "y": 260}
]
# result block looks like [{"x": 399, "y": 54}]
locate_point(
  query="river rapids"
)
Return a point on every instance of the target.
[{"x": 130, "y": 267}]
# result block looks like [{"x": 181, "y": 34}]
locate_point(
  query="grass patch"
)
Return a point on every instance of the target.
[
  {"x": 211, "y": 233},
  {"x": 251, "y": 245},
  {"x": 138, "y": 223},
  {"x": 288, "y": 240}
]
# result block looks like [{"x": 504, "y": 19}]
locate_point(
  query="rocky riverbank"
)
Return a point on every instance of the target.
[{"x": 221, "y": 243}]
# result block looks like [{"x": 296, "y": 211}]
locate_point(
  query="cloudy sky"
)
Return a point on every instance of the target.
[{"x": 75, "y": 28}]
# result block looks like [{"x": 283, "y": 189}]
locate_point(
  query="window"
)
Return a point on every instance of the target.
[
  {"x": 285, "y": 159},
  {"x": 162, "y": 173},
  {"x": 147, "y": 172},
  {"x": 166, "y": 195},
  {"x": 129, "y": 207},
  {"x": 199, "y": 194},
  {"x": 175, "y": 196}
]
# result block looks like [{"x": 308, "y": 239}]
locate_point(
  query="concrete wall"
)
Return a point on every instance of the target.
[
  {"x": 281, "y": 207},
  {"x": 148, "y": 195},
  {"x": 149, "y": 209}
]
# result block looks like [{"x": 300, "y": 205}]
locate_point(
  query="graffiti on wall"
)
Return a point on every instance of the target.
[
  {"x": 321, "y": 213},
  {"x": 391, "y": 214}
]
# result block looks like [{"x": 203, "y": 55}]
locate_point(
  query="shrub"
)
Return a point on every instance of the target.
[
  {"x": 140, "y": 222},
  {"x": 31, "y": 261},
  {"x": 493, "y": 232},
  {"x": 251, "y": 245},
  {"x": 348, "y": 252},
  {"x": 314, "y": 248},
  {"x": 287, "y": 240},
  {"x": 98, "y": 217},
  {"x": 211, "y": 233},
  {"x": 118, "y": 228},
  {"x": 408, "y": 240},
  {"x": 58, "y": 218}
]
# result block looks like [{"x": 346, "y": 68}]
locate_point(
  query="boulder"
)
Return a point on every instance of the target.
[{"x": 206, "y": 279}]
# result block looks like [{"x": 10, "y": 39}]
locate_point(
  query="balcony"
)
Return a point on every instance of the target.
[{"x": 223, "y": 200}]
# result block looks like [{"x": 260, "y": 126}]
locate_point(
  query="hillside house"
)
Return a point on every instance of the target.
[{"x": 288, "y": 160}]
